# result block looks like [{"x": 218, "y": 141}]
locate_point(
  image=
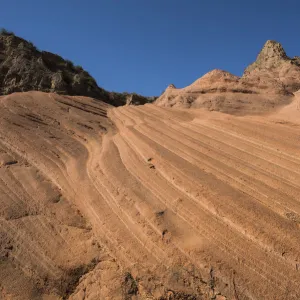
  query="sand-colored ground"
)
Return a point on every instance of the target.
[{"x": 144, "y": 202}]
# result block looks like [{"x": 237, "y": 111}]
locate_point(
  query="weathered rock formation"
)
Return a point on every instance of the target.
[
  {"x": 267, "y": 83},
  {"x": 24, "y": 68},
  {"x": 272, "y": 62},
  {"x": 135, "y": 99}
]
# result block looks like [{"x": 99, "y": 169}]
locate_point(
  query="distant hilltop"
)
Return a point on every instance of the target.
[
  {"x": 24, "y": 68},
  {"x": 267, "y": 83}
]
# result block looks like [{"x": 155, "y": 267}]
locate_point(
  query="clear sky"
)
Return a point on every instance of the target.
[{"x": 144, "y": 45}]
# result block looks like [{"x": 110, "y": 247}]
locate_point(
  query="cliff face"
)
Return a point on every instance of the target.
[
  {"x": 24, "y": 68},
  {"x": 267, "y": 83}
]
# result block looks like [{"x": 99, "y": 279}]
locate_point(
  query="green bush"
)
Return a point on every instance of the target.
[
  {"x": 33, "y": 46},
  {"x": 79, "y": 68},
  {"x": 3, "y": 31},
  {"x": 69, "y": 63},
  {"x": 90, "y": 81}
]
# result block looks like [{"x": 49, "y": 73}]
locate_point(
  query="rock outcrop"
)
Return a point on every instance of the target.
[
  {"x": 272, "y": 62},
  {"x": 267, "y": 83},
  {"x": 272, "y": 55},
  {"x": 135, "y": 99},
  {"x": 24, "y": 68}
]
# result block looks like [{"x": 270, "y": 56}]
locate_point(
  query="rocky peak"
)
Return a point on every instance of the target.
[
  {"x": 271, "y": 56},
  {"x": 273, "y": 65},
  {"x": 272, "y": 50}
]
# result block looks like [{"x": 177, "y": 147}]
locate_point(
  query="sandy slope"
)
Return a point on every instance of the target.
[{"x": 147, "y": 202}]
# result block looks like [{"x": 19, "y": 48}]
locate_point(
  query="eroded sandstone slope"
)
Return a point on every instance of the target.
[{"x": 143, "y": 202}]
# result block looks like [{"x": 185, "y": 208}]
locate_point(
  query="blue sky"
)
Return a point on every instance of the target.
[{"x": 144, "y": 45}]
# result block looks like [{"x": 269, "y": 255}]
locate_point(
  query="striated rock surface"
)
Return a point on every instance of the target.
[
  {"x": 144, "y": 202},
  {"x": 24, "y": 68},
  {"x": 266, "y": 84}
]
